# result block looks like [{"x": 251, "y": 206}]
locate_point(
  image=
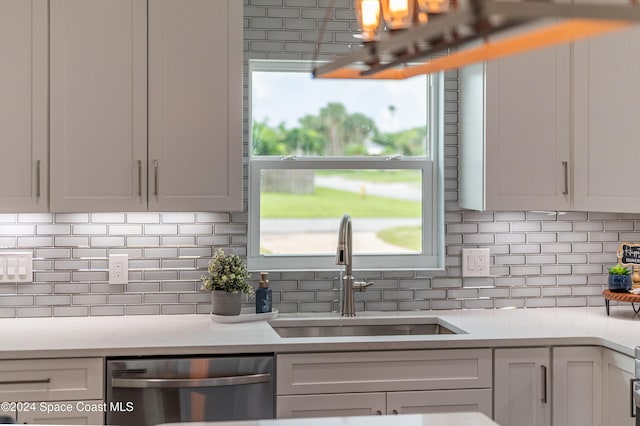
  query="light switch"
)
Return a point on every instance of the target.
[
  {"x": 16, "y": 267},
  {"x": 12, "y": 265},
  {"x": 22, "y": 266}
]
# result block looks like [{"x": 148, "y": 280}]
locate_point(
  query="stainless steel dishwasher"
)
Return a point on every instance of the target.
[{"x": 161, "y": 390}]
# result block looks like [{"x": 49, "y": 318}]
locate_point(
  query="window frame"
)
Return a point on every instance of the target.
[{"x": 432, "y": 255}]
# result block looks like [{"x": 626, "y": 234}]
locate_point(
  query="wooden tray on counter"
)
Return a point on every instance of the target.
[{"x": 621, "y": 297}]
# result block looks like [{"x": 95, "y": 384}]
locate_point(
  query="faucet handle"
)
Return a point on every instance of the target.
[{"x": 361, "y": 285}]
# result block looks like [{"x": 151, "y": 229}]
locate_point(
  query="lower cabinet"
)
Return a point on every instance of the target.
[
  {"x": 53, "y": 391},
  {"x": 383, "y": 382},
  {"x": 617, "y": 403},
  {"x": 581, "y": 385},
  {"x": 379, "y": 403},
  {"x": 521, "y": 388}
]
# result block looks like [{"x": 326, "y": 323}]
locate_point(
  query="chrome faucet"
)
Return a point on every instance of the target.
[{"x": 344, "y": 256}]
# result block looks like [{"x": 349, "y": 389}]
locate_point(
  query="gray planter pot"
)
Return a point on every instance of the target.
[{"x": 226, "y": 303}]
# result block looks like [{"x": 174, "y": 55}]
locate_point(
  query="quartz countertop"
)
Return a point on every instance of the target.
[
  {"x": 436, "y": 419},
  {"x": 198, "y": 334}
]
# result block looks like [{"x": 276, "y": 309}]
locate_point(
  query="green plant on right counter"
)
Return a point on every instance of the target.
[{"x": 619, "y": 270}]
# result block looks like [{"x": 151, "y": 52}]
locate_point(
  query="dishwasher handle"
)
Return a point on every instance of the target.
[{"x": 190, "y": 383}]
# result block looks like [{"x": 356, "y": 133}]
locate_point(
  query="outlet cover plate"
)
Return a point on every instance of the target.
[
  {"x": 16, "y": 267},
  {"x": 118, "y": 269},
  {"x": 475, "y": 262}
]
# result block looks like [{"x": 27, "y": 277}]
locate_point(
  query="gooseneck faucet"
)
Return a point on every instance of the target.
[{"x": 344, "y": 256}]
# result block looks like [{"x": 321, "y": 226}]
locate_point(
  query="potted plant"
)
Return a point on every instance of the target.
[
  {"x": 619, "y": 279},
  {"x": 227, "y": 281}
]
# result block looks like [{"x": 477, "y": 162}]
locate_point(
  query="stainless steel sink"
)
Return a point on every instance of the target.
[{"x": 299, "y": 329}]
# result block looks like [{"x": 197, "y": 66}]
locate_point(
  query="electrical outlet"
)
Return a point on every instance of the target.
[
  {"x": 475, "y": 263},
  {"x": 118, "y": 269}
]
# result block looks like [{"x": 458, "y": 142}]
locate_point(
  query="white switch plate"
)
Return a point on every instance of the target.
[
  {"x": 118, "y": 269},
  {"x": 475, "y": 262},
  {"x": 16, "y": 267}
]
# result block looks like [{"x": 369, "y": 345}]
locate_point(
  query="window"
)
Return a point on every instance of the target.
[{"x": 323, "y": 148}]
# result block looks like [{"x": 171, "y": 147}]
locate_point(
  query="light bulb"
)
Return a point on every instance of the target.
[
  {"x": 398, "y": 14},
  {"x": 368, "y": 14}
]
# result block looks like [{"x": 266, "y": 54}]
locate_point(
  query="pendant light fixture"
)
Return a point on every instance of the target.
[{"x": 439, "y": 35}]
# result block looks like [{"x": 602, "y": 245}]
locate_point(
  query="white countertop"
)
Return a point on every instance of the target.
[
  {"x": 438, "y": 419},
  {"x": 198, "y": 334}
]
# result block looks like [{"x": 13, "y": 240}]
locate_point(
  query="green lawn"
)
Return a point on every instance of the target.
[
  {"x": 326, "y": 203},
  {"x": 409, "y": 237}
]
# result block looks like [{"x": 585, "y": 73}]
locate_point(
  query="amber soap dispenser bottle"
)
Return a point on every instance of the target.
[{"x": 263, "y": 295}]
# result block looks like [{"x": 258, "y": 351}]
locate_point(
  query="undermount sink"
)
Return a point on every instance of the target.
[{"x": 429, "y": 326}]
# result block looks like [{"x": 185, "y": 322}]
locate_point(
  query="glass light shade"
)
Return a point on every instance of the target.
[
  {"x": 368, "y": 14},
  {"x": 398, "y": 14},
  {"x": 433, "y": 6}
]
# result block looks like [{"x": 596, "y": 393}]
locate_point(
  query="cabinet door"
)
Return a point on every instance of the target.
[
  {"x": 331, "y": 405},
  {"x": 23, "y": 105},
  {"x": 521, "y": 389},
  {"x": 195, "y": 105},
  {"x": 617, "y": 402},
  {"x": 445, "y": 401},
  {"x": 98, "y": 105},
  {"x": 51, "y": 379},
  {"x": 515, "y": 132},
  {"x": 527, "y": 131},
  {"x": 606, "y": 128},
  {"x": 577, "y": 386},
  {"x": 64, "y": 413}
]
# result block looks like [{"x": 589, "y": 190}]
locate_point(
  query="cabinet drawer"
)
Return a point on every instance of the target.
[
  {"x": 331, "y": 405},
  {"x": 51, "y": 379},
  {"x": 383, "y": 371}
]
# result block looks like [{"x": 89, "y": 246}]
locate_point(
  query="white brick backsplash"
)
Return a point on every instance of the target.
[
  {"x": 49, "y": 229},
  {"x": 112, "y": 310},
  {"x": 509, "y": 303},
  {"x": 510, "y": 238},
  {"x": 571, "y": 302},
  {"x": 107, "y": 217},
  {"x": 71, "y": 217},
  {"x": 537, "y": 259},
  {"x": 544, "y": 237}
]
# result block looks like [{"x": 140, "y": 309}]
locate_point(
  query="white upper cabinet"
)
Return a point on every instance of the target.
[
  {"x": 24, "y": 105},
  {"x": 606, "y": 125},
  {"x": 98, "y": 131},
  {"x": 195, "y": 105},
  {"x": 146, "y": 105},
  {"x": 515, "y": 132}
]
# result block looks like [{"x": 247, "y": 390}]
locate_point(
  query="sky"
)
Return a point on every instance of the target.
[{"x": 286, "y": 97}]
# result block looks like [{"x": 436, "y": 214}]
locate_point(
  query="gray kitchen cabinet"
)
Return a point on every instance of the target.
[
  {"x": 379, "y": 403},
  {"x": 520, "y": 387},
  {"x": 577, "y": 386},
  {"x": 195, "y": 105},
  {"x": 532, "y": 383},
  {"x": 605, "y": 98},
  {"x": 383, "y": 382},
  {"x": 23, "y": 121},
  {"x": 617, "y": 404},
  {"x": 53, "y": 391},
  {"x": 146, "y": 105},
  {"x": 98, "y": 130},
  {"x": 515, "y": 132}
]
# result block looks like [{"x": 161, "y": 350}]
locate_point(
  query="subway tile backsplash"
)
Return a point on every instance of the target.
[{"x": 537, "y": 259}]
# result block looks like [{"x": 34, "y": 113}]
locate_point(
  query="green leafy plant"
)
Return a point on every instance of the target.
[
  {"x": 619, "y": 270},
  {"x": 228, "y": 273}
]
